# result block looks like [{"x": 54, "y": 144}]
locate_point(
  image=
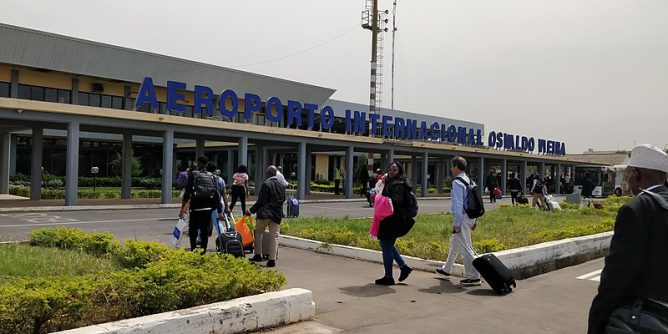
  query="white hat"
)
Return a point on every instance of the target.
[{"x": 649, "y": 157}]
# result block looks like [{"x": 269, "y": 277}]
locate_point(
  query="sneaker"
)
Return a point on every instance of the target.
[
  {"x": 271, "y": 263},
  {"x": 470, "y": 282},
  {"x": 256, "y": 258},
  {"x": 405, "y": 271},
  {"x": 442, "y": 273},
  {"x": 385, "y": 281}
]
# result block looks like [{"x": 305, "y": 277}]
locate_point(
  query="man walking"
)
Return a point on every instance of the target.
[
  {"x": 460, "y": 240},
  {"x": 201, "y": 197},
  {"x": 269, "y": 209},
  {"x": 636, "y": 267},
  {"x": 491, "y": 183}
]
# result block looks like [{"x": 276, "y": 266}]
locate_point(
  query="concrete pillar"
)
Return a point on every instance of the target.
[
  {"x": 72, "y": 164},
  {"x": 424, "y": 183},
  {"x": 309, "y": 166},
  {"x": 281, "y": 161},
  {"x": 504, "y": 176},
  {"x": 4, "y": 168},
  {"x": 14, "y": 85},
  {"x": 13, "y": 142},
  {"x": 350, "y": 173},
  {"x": 126, "y": 167},
  {"x": 523, "y": 177},
  {"x": 301, "y": 171},
  {"x": 390, "y": 157},
  {"x": 440, "y": 172},
  {"x": 259, "y": 172},
  {"x": 557, "y": 180},
  {"x": 243, "y": 151},
  {"x": 414, "y": 169},
  {"x": 542, "y": 170},
  {"x": 384, "y": 161},
  {"x": 481, "y": 173},
  {"x": 36, "y": 164},
  {"x": 167, "y": 172},
  {"x": 230, "y": 167},
  {"x": 127, "y": 90},
  {"x": 199, "y": 147}
]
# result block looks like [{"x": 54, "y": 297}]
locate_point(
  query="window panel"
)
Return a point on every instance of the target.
[
  {"x": 94, "y": 100},
  {"x": 106, "y": 101},
  {"x": 50, "y": 95},
  {"x": 24, "y": 92},
  {"x": 64, "y": 96},
  {"x": 117, "y": 102},
  {"x": 84, "y": 99},
  {"x": 37, "y": 93},
  {"x": 4, "y": 89}
]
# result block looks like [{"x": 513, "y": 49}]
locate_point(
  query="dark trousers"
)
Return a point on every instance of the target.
[
  {"x": 390, "y": 254},
  {"x": 199, "y": 225},
  {"x": 238, "y": 192},
  {"x": 492, "y": 197},
  {"x": 513, "y": 196},
  {"x": 337, "y": 183}
]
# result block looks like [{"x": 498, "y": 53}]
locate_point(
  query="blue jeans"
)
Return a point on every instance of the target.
[{"x": 390, "y": 253}]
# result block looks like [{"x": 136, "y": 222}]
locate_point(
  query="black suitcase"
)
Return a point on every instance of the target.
[
  {"x": 495, "y": 273},
  {"x": 522, "y": 199},
  {"x": 492, "y": 270},
  {"x": 229, "y": 242}
]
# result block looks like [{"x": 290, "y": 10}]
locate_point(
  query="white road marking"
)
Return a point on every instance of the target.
[
  {"x": 88, "y": 222},
  {"x": 592, "y": 276}
]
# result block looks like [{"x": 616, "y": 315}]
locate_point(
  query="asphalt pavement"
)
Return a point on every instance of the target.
[{"x": 346, "y": 298}]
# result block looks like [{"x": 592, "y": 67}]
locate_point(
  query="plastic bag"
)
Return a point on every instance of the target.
[{"x": 177, "y": 234}]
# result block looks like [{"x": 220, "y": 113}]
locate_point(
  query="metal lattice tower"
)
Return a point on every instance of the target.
[{"x": 377, "y": 23}]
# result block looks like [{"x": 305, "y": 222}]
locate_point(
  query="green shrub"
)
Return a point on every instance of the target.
[
  {"x": 489, "y": 246},
  {"x": 70, "y": 238},
  {"x": 157, "y": 279},
  {"x": 136, "y": 253}
]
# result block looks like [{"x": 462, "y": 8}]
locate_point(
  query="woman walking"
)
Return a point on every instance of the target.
[
  {"x": 398, "y": 189},
  {"x": 240, "y": 187}
]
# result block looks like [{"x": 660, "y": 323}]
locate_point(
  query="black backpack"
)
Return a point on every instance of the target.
[
  {"x": 205, "y": 191},
  {"x": 538, "y": 189},
  {"x": 473, "y": 206},
  {"x": 412, "y": 209}
]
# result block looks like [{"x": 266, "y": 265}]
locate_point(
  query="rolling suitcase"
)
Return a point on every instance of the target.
[
  {"x": 522, "y": 199},
  {"x": 293, "y": 207},
  {"x": 492, "y": 270},
  {"x": 228, "y": 240}
]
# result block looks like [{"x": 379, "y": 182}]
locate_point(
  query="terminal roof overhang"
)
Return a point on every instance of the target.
[
  {"x": 26, "y": 113},
  {"x": 38, "y": 49}
]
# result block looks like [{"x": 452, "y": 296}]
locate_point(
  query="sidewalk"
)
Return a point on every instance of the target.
[{"x": 11, "y": 203}]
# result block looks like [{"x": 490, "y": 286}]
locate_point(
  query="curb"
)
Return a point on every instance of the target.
[
  {"x": 163, "y": 206},
  {"x": 524, "y": 262},
  {"x": 239, "y": 315}
]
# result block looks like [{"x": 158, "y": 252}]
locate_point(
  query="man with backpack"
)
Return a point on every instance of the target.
[
  {"x": 538, "y": 193},
  {"x": 466, "y": 207},
  {"x": 201, "y": 197}
]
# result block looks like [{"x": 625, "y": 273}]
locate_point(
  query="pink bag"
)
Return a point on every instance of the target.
[{"x": 382, "y": 209}]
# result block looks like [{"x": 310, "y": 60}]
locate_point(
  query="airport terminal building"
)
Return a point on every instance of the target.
[{"x": 67, "y": 105}]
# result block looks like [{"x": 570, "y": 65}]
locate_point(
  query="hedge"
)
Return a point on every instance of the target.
[
  {"x": 154, "y": 279},
  {"x": 48, "y": 193},
  {"x": 52, "y": 181}
]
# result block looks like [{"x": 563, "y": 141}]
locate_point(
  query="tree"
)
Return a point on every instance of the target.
[{"x": 117, "y": 166}]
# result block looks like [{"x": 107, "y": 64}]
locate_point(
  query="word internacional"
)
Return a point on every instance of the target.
[{"x": 384, "y": 126}]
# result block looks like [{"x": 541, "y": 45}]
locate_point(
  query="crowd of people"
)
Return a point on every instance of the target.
[{"x": 204, "y": 192}]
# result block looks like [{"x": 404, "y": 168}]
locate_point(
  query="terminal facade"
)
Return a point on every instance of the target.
[{"x": 67, "y": 105}]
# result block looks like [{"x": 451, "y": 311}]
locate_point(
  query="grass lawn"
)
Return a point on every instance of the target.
[
  {"x": 23, "y": 260},
  {"x": 504, "y": 228}
]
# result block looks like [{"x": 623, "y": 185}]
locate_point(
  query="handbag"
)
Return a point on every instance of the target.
[{"x": 644, "y": 316}]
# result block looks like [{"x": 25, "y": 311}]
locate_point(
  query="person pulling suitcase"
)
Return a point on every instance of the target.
[{"x": 269, "y": 209}]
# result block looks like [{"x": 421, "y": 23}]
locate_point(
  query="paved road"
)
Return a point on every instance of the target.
[
  {"x": 347, "y": 300},
  {"x": 157, "y": 224}
]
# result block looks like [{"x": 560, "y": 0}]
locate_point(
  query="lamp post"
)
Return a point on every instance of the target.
[{"x": 94, "y": 171}]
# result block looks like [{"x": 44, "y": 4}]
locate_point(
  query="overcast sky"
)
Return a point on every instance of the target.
[{"x": 593, "y": 74}]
